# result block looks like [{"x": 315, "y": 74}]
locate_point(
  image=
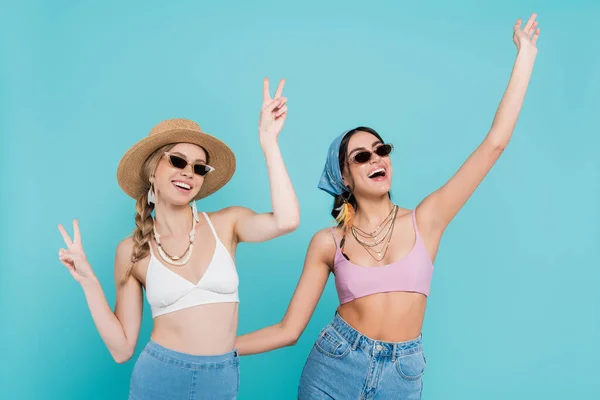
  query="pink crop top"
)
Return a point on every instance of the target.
[{"x": 412, "y": 273}]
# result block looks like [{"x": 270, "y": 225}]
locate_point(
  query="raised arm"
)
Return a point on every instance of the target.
[
  {"x": 305, "y": 299},
  {"x": 439, "y": 208},
  {"x": 118, "y": 330},
  {"x": 253, "y": 227}
]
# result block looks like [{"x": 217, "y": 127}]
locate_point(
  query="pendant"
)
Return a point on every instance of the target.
[
  {"x": 177, "y": 261},
  {"x": 185, "y": 257}
]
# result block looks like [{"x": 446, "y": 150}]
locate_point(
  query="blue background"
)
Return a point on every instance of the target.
[{"x": 514, "y": 310}]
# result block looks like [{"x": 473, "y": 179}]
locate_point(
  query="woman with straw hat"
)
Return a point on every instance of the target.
[{"x": 184, "y": 259}]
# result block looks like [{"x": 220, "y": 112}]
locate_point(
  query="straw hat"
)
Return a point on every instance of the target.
[{"x": 178, "y": 130}]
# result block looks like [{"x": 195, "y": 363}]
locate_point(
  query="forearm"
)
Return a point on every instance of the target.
[
  {"x": 266, "y": 339},
  {"x": 283, "y": 197},
  {"x": 108, "y": 325},
  {"x": 508, "y": 111}
]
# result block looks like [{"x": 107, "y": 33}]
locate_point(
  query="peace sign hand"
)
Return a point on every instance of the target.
[
  {"x": 272, "y": 114},
  {"x": 73, "y": 257},
  {"x": 527, "y": 37}
]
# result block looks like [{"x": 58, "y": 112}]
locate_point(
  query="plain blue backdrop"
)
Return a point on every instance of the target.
[{"x": 513, "y": 311}]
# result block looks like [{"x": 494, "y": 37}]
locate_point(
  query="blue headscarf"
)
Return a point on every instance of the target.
[{"x": 331, "y": 178}]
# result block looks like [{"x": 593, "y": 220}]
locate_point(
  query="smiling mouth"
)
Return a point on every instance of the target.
[
  {"x": 182, "y": 186},
  {"x": 378, "y": 173}
]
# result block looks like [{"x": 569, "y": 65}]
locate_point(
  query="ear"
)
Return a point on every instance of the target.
[{"x": 346, "y": 178}]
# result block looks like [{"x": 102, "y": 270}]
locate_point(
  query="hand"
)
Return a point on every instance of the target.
[
  {"x": 272, "y": 114},
  {"x": 74, "y": 257},
  {"x": 527, "y": 37}
]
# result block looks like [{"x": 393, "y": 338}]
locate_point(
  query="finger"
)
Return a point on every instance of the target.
[
  {"x": 65, "y": 258},
  {"x": 65, "y": 235},
  {"x": 536, "y": 35},
  {"x": 64, "y": 255},
  {"x": 76, "y": 234},
  {"x": 533, "y": 29},
  {"x": 66, "y": 264},
  {"x": 276, "y": 103},
  {"x": 280, "y": 88},
  {"x": 518, "y": 24},
  {"x": 530, "y": 22},
  {"x": 266, "y": 96},
  {"x": 281, "y": 111}
]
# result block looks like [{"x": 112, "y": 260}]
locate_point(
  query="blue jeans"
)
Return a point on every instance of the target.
[
  {"x": 344, "y": 364},
  {"x": 161, "y": 373}
]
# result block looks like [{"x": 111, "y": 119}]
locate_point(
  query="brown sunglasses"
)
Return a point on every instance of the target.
[
  {"x": 181, "y": 163},
  {"x": 364, "y": 156}
]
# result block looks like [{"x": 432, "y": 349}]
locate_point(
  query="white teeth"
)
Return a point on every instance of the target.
[
  {"x": 182, "y": 185},
  {"x": 376, "y": 171}
]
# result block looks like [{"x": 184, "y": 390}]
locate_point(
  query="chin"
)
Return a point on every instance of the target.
[
  {"x": 380, "y": 192},
  {"x": 178, "y": 199},
  {"x": 372, "y": 192}
]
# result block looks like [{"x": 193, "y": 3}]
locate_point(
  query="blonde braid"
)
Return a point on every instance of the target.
[
  {"x": 142, "y": 233},
  {"x": 144, "y": 222}
]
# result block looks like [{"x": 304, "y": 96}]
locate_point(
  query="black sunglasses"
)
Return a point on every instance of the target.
[
  {"x": 181, "y": 163},
  {"x": 364, "y": 156}
]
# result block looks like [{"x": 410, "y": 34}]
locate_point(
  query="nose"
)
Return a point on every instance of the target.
[
  {"x": 188, "y": 171},
  {"x": 374, "y": 158}
]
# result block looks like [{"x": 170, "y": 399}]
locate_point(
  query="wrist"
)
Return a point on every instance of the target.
[
  {"x": 268, "y": 144},
  {"x": 528, "y": 52},
  {"x": 89, "y": 281}
]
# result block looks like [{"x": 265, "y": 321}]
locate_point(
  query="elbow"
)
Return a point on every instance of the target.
[
  {"x": 499, "y": 146},
  {"x": 288, "y": 225},
  {"x": 498, "y": 140},
  {"x": 291, "y": 338},
  {"x": 122, "y": 357}
]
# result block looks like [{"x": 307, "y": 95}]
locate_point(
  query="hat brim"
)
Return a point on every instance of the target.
[{"x": 129, "y": 172}]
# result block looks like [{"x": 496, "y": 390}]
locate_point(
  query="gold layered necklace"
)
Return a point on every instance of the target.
[{"x": 377, "y": 242}]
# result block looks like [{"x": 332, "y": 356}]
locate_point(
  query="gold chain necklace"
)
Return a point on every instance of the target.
[
  {"x": 377, "y": 241},
  {"x": 357, "y": 232},
  {"x": 375, "y": 232},
  {"x": 380, "y": 255}
]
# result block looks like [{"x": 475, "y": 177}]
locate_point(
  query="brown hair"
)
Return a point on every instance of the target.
[
  {"x": 345, "y": 204},
  {"x": 143, "y": 219}
]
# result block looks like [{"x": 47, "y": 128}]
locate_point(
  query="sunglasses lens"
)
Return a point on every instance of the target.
[
  {"x": 201, "y": 169},
  {"x": 362, "y": 157},
  {"x": 384, "y": 150},
  {"x": 177, "y": 162}
]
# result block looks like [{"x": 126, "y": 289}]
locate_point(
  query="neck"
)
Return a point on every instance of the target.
[
  {"x": 372, "y": 212},
  {"x": 172, "y": 220}
]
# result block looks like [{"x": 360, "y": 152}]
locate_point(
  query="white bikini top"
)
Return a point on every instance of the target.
[{"x": 167, "y": 291}]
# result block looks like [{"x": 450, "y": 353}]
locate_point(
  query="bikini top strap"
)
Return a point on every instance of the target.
[
  {"x": 337, "y": 245},
  {"x": 212, "y": 228},
  {"x": 414, "y": 218}
]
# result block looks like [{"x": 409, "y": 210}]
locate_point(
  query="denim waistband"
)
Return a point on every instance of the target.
[
  {"x": 372, "y": 346},
  {"x": 190, "y": 361}
]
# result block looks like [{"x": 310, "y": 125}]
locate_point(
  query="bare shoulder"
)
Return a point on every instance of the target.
[
  {"x": 424, "y": 214},
  {"x": 225, "y": 220},
  {"x": 123, "y": 254},
  {"x": 323, "y": 244},
  {"x": 403, "y": 213},
  {"x": 125, "y": 247}
]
